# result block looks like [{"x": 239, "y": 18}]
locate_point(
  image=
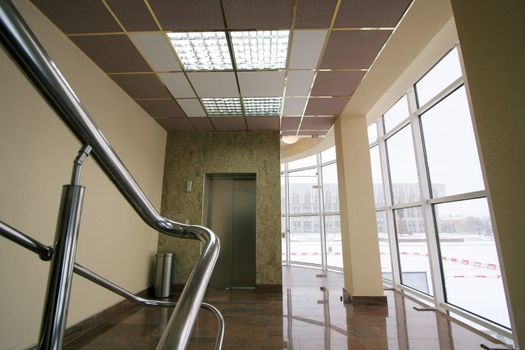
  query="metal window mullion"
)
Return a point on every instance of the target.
[
  {"x": 320, "y": 194},
  {"x": 425, "y": 193},
  {"x": 389, "y": 213},
  {"x": 287, "y": 213}
]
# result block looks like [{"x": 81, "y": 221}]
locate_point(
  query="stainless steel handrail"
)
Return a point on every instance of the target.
[
  {"x": 45, "y": 253},
  {"x": 33, "y": 60}
]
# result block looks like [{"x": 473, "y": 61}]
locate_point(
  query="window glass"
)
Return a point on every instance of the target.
[
  {"x": 305, "y": 239},
  {"x": 450, "y": 144},
  {"x": 471, "y": 268},
  {"x": 328, "y": 155},
  {"x": 303, "y": 162},
  {"x": 402, "y": 163},
  {"x": 330, "y": 189},
  {"x": 377, "y": 179},
  {"x": 412, "y": 247},
  {"x": 303, "y": 195},
  {"x": 283, "y": 238},
  {"x": 372, "y": 133},
  {"x": 444, "y": 73},
  {"x": 396, "y": 114},
  {"x": 384, "y": 245},
  {"x": 334, "y": 248}
]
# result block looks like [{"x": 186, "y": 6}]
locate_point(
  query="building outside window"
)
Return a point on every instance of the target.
[{"x": 434, "y": 224}]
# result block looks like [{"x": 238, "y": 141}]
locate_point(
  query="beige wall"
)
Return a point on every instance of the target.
[
  {"x": 493, "y": 54},
  {"x": 189, "y": 156},
  {"x": 36, "y": 153}
]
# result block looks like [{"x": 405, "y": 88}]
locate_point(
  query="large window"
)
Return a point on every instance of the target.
[
  {"x": 310, "y": 211},
  {"x": 434, "y": 224}
]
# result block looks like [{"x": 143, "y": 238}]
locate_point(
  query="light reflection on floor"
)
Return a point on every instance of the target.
[{"x": 304, "y": 316}]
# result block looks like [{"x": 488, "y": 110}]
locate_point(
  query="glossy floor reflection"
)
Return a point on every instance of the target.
[{"x": 304, "y": 316}]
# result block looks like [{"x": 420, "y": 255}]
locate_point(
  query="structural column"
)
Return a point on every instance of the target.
[
  {"x": 491, "y": 39},
  {"x": 362, "y": 267}
]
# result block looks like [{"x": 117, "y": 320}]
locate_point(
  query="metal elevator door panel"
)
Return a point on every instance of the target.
[
  {"x": 231, "y": 215},
  {"x": 220, "y": 204},
  {"x": 243, "y": 238}
]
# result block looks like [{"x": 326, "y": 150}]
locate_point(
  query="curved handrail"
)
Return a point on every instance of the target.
[{"x": 33, "y": 60}]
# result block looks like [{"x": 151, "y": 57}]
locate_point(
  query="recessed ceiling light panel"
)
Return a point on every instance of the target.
[
  {"x": 265, "y": 49},
  {"x": 202, "y": 50},
  {"x": 262, "y": 106},
  {"x": 219, "y": 107}
]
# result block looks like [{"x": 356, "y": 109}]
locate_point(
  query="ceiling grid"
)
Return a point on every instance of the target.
[{"x": 130, "y": 41}]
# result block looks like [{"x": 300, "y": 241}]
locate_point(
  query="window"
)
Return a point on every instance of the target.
[
  {"x": 436, "y": 212},
  {"x": 413, "y": 252},
  {"x": 444, "y": 73},
  {"x": 470, "y": 261},
  {"x": 377, "y": 180},
  {"x": 384, "y": 246},
  {"x": 396, "y": 114},
  {"x": 313, "y": 199},
  {"x": 403, "y": 170},
  {"x": 452, "y": 155}
]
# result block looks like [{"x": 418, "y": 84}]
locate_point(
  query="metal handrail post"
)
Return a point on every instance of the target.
[{"x": 61, "y": 270}]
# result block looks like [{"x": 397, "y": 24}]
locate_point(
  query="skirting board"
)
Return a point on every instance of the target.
[{"x": 356, "y": 300}]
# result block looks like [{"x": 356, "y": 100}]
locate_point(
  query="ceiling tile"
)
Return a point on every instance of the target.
[
  {"x": 306, "y": 48},
  {"x": 76, "y": 16},
  {"x": 162, "y": 108},
  {"x": 112, "y": 53},
  {"x": 353, "y": 48},
  {"x": 263, "y": 123},
  {"x": 177, "y": 84},
  {"x": 314, "y": 13},
  {"x": 214, "y": 84},
  {"x": 202, "y": 124},
  {"x": 370, "y": 14},
  {"x": 157, "y": 50},
  {"x": 188, "y": 15},
  {"x": 294, "y": 106},
  {"x": 261, "y": 84},
  {"x": 326, "y": 106},
  {"x": 336, "y": 83},
  {"x": 192, "y": 107},
  {"x": 141, "y": 85},
  {"x": 290, "y": 123},
  {"x": 317, "y": 123},
  {"x": 298, "y": 83},
  {"x": 175, "y": 124},
  {"x": 258, "y": 14},
  {"x": 229, "y": 123},
  {"x": 133, "y": 14}
]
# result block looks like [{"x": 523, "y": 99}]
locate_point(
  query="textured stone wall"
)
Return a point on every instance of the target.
[{"x": 191, "y": 155}]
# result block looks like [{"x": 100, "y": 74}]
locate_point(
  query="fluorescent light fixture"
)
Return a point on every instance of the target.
[
  {"x": 202, "y": 50},
  {"x": 290, "y": 139},
  {"x": 262, "y": 106},
  {"x": 222, "y": 106},
  {"x": 265, "y": 49}
]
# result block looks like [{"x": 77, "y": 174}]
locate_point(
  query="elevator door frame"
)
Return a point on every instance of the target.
[{"x": 205, "y": 219}]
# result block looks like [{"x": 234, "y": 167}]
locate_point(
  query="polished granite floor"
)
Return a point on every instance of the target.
[{"x": 304, "y": 316}]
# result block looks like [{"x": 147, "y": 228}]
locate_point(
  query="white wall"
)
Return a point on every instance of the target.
[{"x": 36, "y": 153}]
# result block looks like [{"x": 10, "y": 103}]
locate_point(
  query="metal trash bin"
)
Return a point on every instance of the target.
[{"x": 163, "y": 275}]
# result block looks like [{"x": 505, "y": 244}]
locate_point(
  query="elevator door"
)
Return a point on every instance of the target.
[{"x": 231, "y": 215}]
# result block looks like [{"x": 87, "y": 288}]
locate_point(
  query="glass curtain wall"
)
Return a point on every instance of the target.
[
  {"x": 434, "y": 224},
  {"x": 311, "y": 233}
]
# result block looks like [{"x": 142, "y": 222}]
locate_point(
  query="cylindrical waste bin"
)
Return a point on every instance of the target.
[{"x": 163, "y": 275}]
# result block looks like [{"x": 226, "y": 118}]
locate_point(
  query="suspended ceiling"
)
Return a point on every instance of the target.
[{"x": 331, "y": 46}]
